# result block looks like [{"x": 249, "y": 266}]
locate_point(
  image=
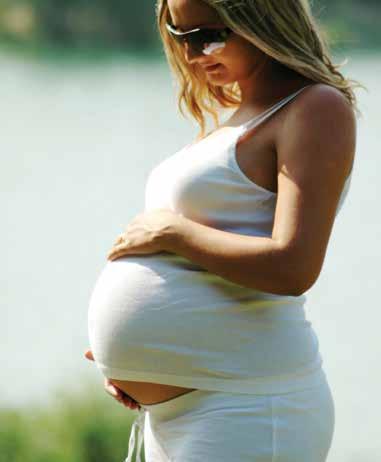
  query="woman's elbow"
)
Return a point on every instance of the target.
[
  {"x": 300, "y": 284},
  {"x": 300, "y": 276}
]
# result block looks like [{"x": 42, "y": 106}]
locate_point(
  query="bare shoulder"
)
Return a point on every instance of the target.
[
  {"x": 315, "y": 148},
  {"x": 320, "y": 121},
  {"x": 320, "y": 100}
]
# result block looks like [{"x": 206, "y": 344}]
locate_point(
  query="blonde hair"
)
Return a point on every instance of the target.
[{"x": 289, "y": 34}]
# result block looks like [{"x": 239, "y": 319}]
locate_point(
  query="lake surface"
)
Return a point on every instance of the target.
[{"x": 77, "y": 145}]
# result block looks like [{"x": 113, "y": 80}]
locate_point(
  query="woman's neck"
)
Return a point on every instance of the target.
[{"x": 271, "y": 83}]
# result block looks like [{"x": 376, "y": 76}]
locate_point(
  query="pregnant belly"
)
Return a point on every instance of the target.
[
  {"x": 127, "y": 290},
  {"x": 139, "y": 303},
  {"x": 162, "y": 315}
]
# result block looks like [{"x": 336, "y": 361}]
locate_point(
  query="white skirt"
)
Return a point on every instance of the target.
[{"x": 213, "y": 426}]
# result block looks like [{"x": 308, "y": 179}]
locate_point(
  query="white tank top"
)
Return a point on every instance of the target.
[{"x": 161, "y": 318}]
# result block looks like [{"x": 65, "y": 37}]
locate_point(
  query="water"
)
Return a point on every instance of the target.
[{"x": 77, "y": 144}]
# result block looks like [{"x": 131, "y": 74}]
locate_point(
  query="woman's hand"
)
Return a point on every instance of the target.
[
  {"x": 147, "y": 233},
  {"x": 114, "y": 391}
]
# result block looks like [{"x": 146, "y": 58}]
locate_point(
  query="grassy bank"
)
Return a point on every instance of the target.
[{"x": 78, "y": 427}]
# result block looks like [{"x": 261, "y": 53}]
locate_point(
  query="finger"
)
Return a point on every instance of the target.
[
  {"x": 130, "y": 403},
  {"x": 119, "y": 239},
  {"x": 119, "y": 250},
  {"x": 114, "y": 256},
  {"x": 89, "y": 355},
  {"x": 121, "y": 253},
  {"x": 126, "y": 400},
  {"x": 122, "y": 246},
  {"x": 113, "y": 391},
  {"x": 120, "y": 395},
  {"x": 110, "y": 387}
]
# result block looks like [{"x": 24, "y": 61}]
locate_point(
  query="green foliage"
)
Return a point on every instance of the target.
[
  {"x": 15, "y": 438},
  {"x": 79, "y": 427},
  {"x": 350, "y": 24},
  {"x": 80, "y": 23},
  {"x": 131, "y": 25}
]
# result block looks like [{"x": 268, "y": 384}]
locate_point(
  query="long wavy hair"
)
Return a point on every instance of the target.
[{"x": 289, "y": 34}]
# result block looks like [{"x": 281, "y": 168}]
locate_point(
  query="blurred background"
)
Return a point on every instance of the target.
[{"x": 88, "y": 108}]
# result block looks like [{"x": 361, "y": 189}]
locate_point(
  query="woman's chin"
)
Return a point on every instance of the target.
[
  {"x": 217, "y": 74},
  {"x": 219, "y": 80}
]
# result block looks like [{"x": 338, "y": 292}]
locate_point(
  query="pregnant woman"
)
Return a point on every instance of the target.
[{"x": 198, "y": 319}]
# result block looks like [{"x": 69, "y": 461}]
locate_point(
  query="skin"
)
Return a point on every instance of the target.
[{"x": 298, "y": 153}]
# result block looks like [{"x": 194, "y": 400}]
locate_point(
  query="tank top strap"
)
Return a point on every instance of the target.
[{"x": 270, "y": 111}]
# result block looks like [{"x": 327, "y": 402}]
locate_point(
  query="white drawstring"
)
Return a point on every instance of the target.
[{"x": 139, "y": 422}]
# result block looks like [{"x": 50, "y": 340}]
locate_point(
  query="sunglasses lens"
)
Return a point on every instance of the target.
[
  {"x": 203, "y": 38},
  {"x": 200, "y": 39}
]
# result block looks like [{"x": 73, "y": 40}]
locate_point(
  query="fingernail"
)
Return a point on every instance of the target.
[{"x": 113, "y": 391}]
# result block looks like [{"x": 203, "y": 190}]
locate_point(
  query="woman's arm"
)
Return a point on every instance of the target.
[{"x": 315, "y": 148}]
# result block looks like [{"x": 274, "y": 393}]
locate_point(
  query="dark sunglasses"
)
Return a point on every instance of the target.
[{"x": 200, "y": 39}]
